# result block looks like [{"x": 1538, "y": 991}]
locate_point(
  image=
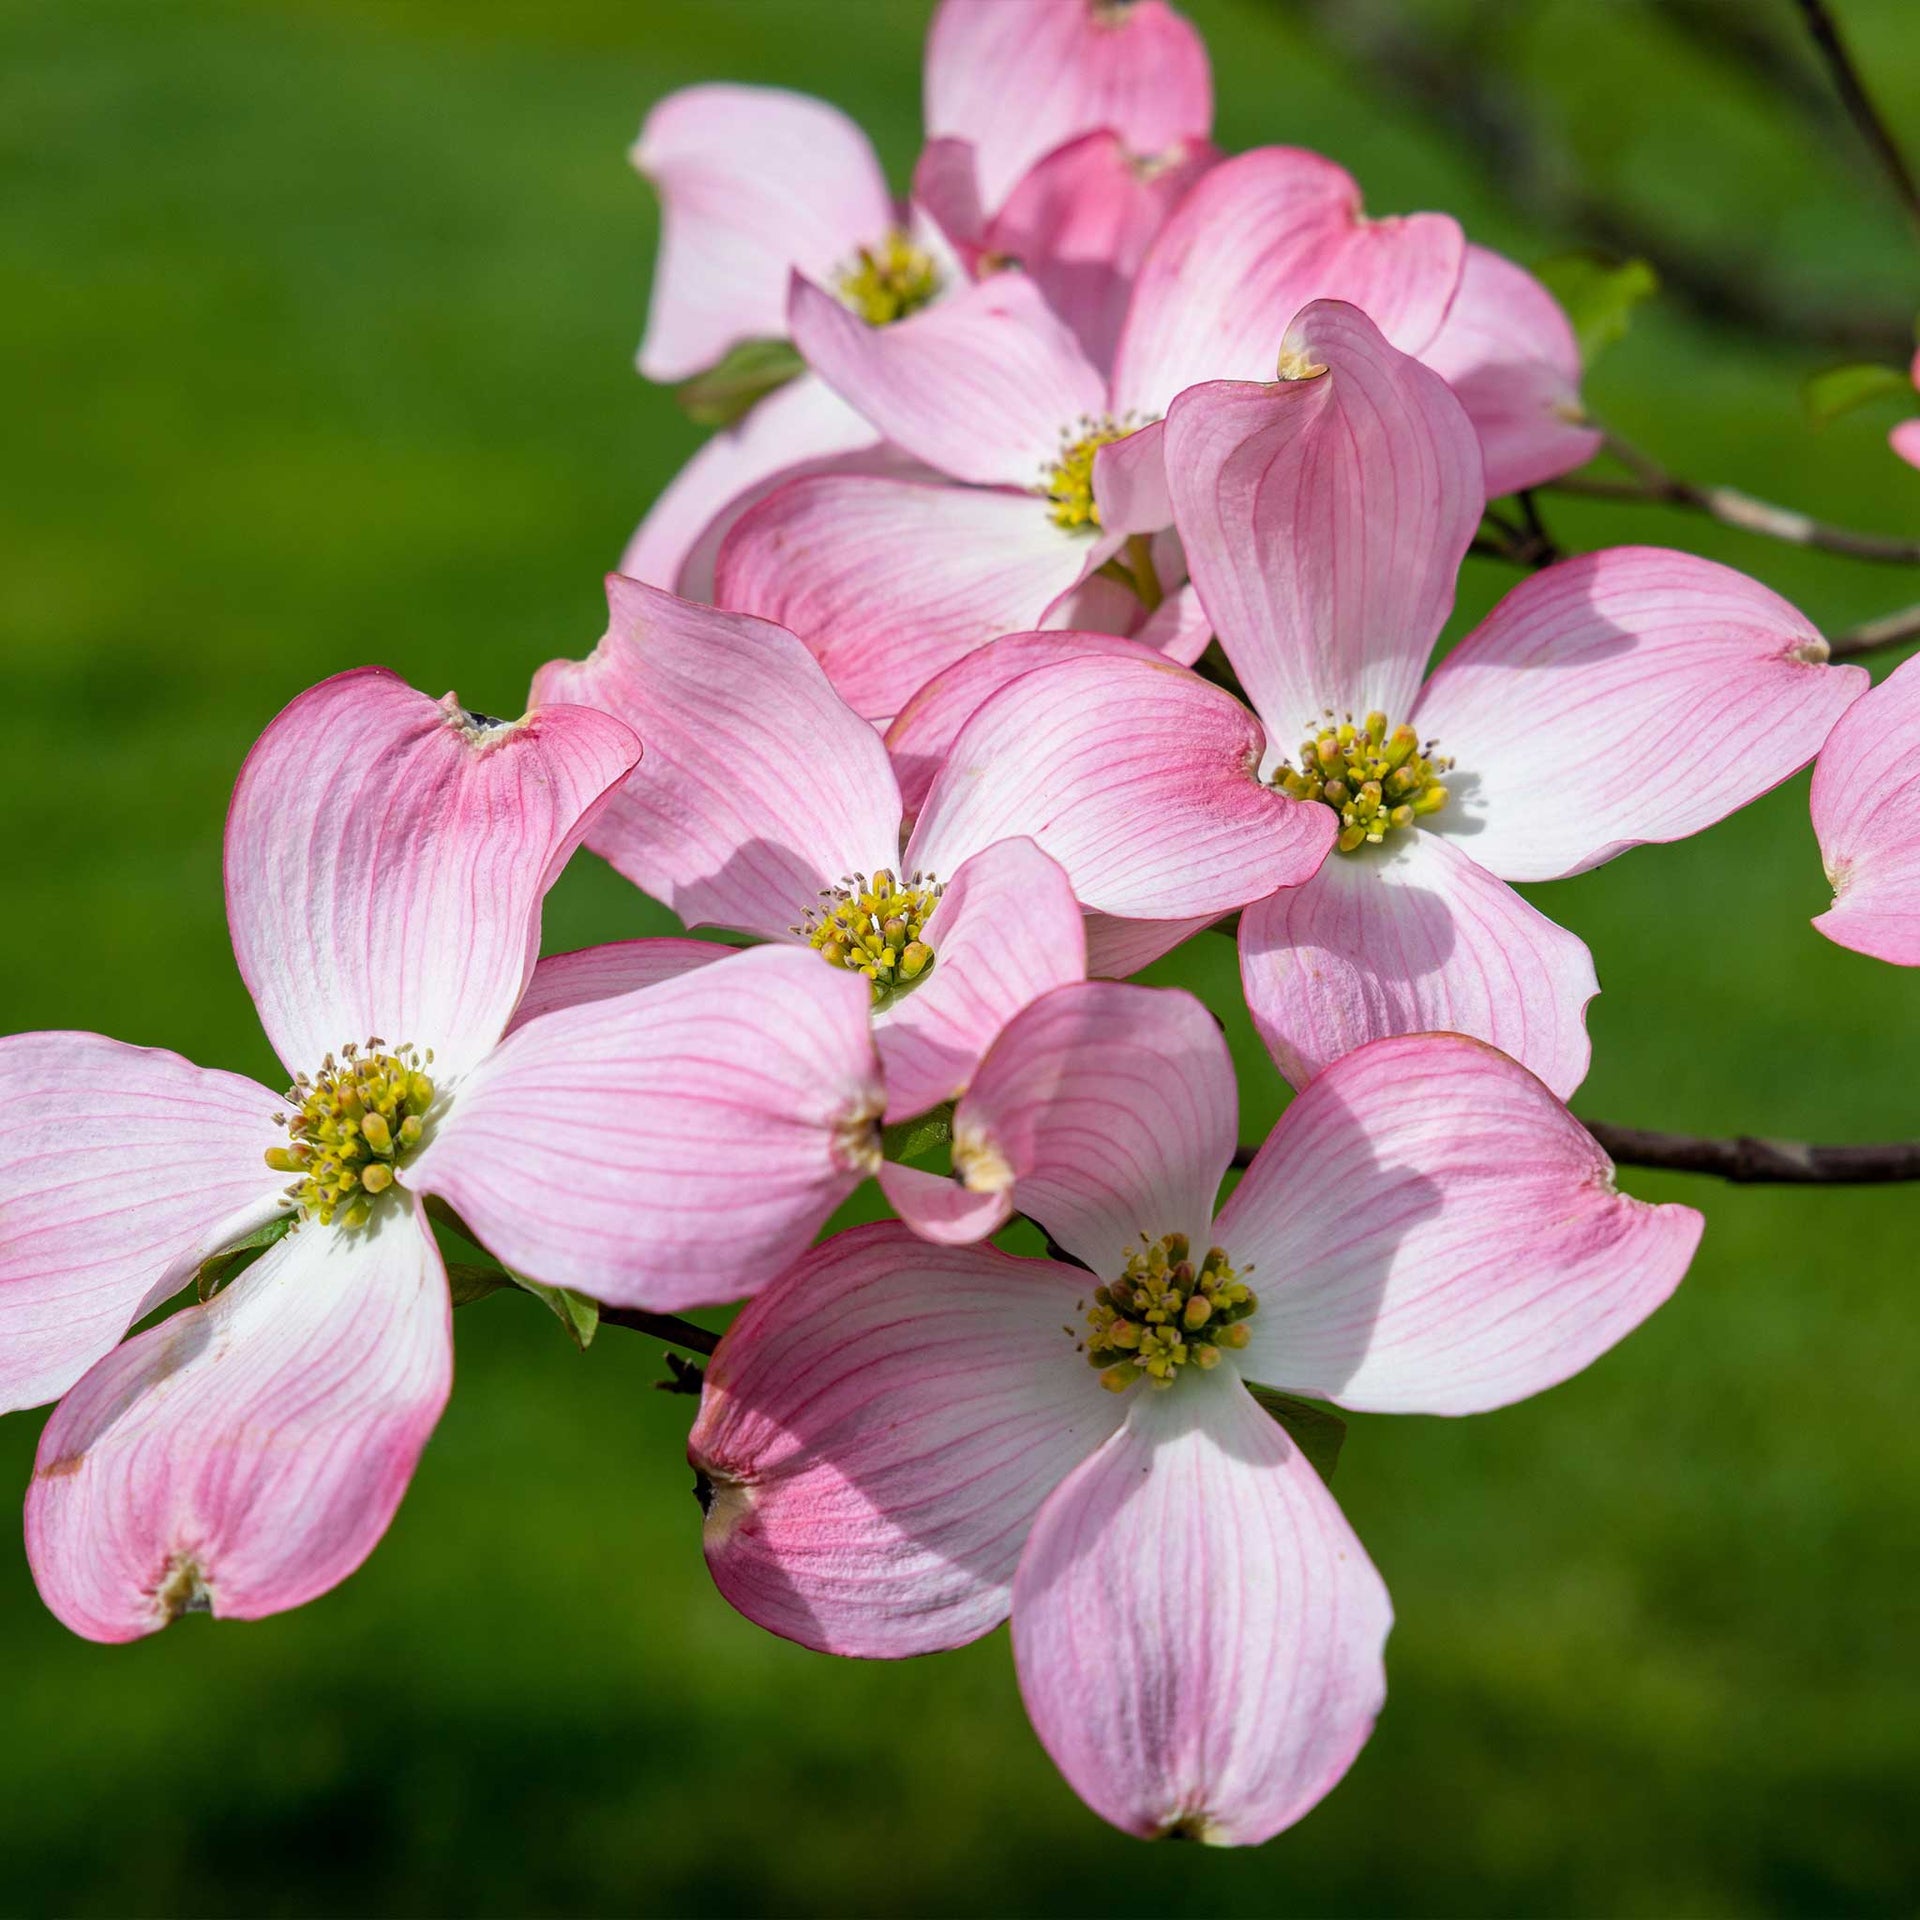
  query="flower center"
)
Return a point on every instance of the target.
[
  {"x": 874, "y": 927},
  {"x": 1374, "y": 780},
  {"x": 1164, "y": 1313},
  {"x": 353, "y": 1123},
  {"x": 1068, "y": 483},
  {"x": 890, "y": 281}
]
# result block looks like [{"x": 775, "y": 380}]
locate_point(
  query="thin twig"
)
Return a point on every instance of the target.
[
  {"x": 1746, "y": 1161},
  {"x": 1871, "y": 635},
  {"x": 1859, "y": 104},
  {"x": 663, "y": 1326},
  {"x": 1653, "y": 484}
]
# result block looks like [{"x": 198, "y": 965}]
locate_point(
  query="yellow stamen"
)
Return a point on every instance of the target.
[
  {"x": 874, "y": 927},
  {"x": 1378, "y": 781},
  {"x": 1068, "y": 483},
  {"x": 890, "y": 281},
  {"x": 353, "y": 1123},
  {"x": 1137, "y": 1327}
]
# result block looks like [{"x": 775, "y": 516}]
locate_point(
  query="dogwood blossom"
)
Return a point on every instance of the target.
[
  {"x": 386, "y": 858},
  {"x": 900, "y": 1444}
]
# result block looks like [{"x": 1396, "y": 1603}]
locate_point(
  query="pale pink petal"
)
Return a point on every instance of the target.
[
  {"x": 675, "y": 1147},
  {"x": 877, "y": 1431},
  {"x": 754, "y": 182},
  {"x": 1007, "y": 930},
  {"x": 1508, "y": 352},
  {"x": 1198, "y": 1631},
  {"x": 1178, "y": 626},
  {"x": 1414, "y": 938},
  {"x": 1020, "y": 80},
  {"x": 941, "y": 1209},
  {"x": 1130, "y": 482},
  {"x": 1110, "y": 1113},
  {"x": 946, "y": 192},
  {"x": 988, "y": 386},
  {"x": 1138, "y": 777},
  {"x": 926, "y": 726},
  {"x": 386, "y": 858},
  {"x": 246, "y": 1455},
  {"x": 1325, "y": 518},
  {"x": 1080, "y": 221},
  {"x": 604, "y": 973},
  {"x": 1866, "y": 815},
  {"x": 1257, "y": 239},
  {"x": 1653, "y": 692},
  {"x": 759, "y": 788},
  {"x": 1116, "y": 948},
  {"x": 121, "y": 1169},
  {"x": 803, "y": 427},
  {"x": 889, "y": 582},
  {"x": 1433, "y": 1232},
  {"x": 1905, "y": 441}
]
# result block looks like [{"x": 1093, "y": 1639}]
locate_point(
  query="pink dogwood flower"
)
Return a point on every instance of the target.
[
  {"x": 1058, "y": 460},
  {"x": 1905, "y": 438},
  {"x": 1623, "y": 697},
  {"x": 902, "y": 1443},
  {"x": 386, "y": 858},
  {"x": 1866, "y": 798},
  {"x": 765, "y": 804}
]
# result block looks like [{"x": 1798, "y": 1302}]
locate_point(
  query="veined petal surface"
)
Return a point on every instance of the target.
[
  {"x": 1414, "y": 938},
  {"x": 760, "y": 786},
  {"x": 1437, "y": 1234},
  {"x": 1019, "y": 81},
  {"x": 246, "y": 1455},
  {"x": 1325, "y": 518},
  {"x": 386, "y": 858},
  {"x": 604, "y": 973},
  {"x": 1866, "y": 800},
  {"x": 1197, "y": 1629},
  {"x": 1622, "y": 697},
  {"x": 675, "y": 1147},
  {"x": 121, "y": 1169},
  {"x": 1138, "y": 777},
  {"x": 754, "y": 182},
  {"x": 1110, "y": 1112},
  {"x": 879, "y": 1428}
]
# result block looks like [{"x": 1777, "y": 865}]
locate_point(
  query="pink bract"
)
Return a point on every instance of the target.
[
  {"x": 1866, "y": 798},
  {"x": 386, "y": 859},
  {"x": 901, "y": 1444}
]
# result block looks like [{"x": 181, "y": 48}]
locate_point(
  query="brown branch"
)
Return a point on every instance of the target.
[
  {"x": 1871, "y": 635},
  {"x": 1859, "y": 104},
  {"x": 1746, "y": 1161},
  {"x": 663, "y": 1326},
  {"x": 1654, "y": 485}
]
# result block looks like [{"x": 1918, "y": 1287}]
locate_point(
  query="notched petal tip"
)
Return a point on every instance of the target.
[
  {"x": 979, "y": 1163},
  {"x": 1813, "y": 650},
  {"x": 183, "y": 1590},
  {"x": 724, "y": 1504}
]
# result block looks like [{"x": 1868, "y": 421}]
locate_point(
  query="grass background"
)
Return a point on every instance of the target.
[{"x": 318, "y": 321}]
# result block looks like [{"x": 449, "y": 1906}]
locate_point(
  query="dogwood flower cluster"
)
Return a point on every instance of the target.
[{"x": 899, "y": 689}]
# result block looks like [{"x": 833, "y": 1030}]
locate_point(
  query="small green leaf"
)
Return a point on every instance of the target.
[
  {"x": 728, "y": 389},
  {"x": 911, "y": 1138},
  {"x": 1837, "y": 390},
  {"x": 579, "y": 1315},
  {"x": 219, "y": 1268},
  {"x": 1599, "y": 295},
  {"x": 468, "y": 1283},
  {"x": 1317, "y": 1431}
]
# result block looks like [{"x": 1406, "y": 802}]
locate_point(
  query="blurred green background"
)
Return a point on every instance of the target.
[{"x": 318, "y": 322}]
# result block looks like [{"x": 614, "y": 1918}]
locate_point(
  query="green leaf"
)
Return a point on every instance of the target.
[
  {"x": 1837, "y": 390},
  {"x": 1317, "y": 1431},
  {"x": 911, "y": 1138},
  {"x": 468, "y": 1283},
  {"x": 219, "y": 1268},
  {"x": 727, "y": 390},
  {"x": 1599, "y": 295},
  {"x": 579, "y": 1315}
]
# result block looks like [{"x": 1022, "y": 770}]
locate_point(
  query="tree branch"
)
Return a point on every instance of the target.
[
  {"x": 663, "y": 1326},
  {"x": 1888, "y": 631},
  {"x": 1859, "y": 105},
  {"x": 1746, "y": 1161}
]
